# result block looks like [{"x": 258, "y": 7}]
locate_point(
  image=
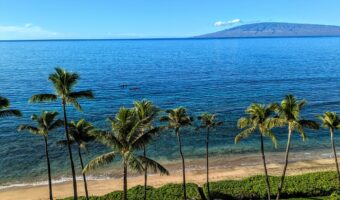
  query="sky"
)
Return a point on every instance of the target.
[{"x": 106, "y": 19}]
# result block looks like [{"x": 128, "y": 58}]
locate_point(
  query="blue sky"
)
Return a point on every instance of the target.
[{"x": 52, "y": 19}]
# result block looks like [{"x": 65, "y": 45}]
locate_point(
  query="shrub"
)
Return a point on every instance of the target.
[
  {"x": 166, "y": 192},
  {"x": 306, "y": 185}
]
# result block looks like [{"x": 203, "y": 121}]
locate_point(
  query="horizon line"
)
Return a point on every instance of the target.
[{"x": 161, "y": 38}]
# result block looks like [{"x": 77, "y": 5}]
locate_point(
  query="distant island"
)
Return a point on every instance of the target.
[{"x": 275, "y": 29}]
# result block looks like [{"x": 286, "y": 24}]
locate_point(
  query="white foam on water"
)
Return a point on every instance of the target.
[{"x": 55, "y": 181}]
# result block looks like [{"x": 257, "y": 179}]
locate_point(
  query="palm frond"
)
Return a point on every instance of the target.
[
  {"x": 99, "y": 161},
  {"x": 140, "y": 141},
  {"x": 75, "y": 103},
  {"x": 31, "y": 129},
  {"x": 4, "y": 102},
  {"x": 244, "y": 134},
  {"x": 57, "y": 124},
  {"x": 274, "y": 122},
  {"x": 299, "y": 128},
  {"x": 9, "y": 113},
  {"x": 43, "y": 98},
  {"x": 272, "y": 137},
  {"x": 244, "y": 122},
  {"x": 309, "y": 124},
  {"x": 107, "y": 138},
  {"x": 82, "y": 94},
  {"x": 134, "y": 163},
  {"x": 154, "y": 166}
]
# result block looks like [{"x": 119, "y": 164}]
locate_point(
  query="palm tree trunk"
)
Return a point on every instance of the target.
[
  {"x": 125, "y": 181},
  {"x": 265, "y": 167},
  {"x": 48, "y": 170},
  {"x": 207, "y": 161},
  {"x": 286, "y": 164},
  {"x": 335, "y": 156},
  {"x": 84, "y": 177},
  {"x": 75, "y": 194},
  {"x": 183, "y": 163},
  {"x": 145, "y": 174}
]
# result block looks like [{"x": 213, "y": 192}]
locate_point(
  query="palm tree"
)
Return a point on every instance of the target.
[
  {"x": 45, "y": 124},
  {"x": 208, "y": 121},
  {"x": 259, "y": 120},
  {"x": 64, "y": 82},
  {"x": 146, "y": 112},
  {"x": 331, "y": 121},
  {"x": 4, "y": 111},
  {"x": 178, "y": 118},
  {"x": 80, "y": 133},
  {"x": 289, "y": 113},
  {"x": 125, "y": 140}
]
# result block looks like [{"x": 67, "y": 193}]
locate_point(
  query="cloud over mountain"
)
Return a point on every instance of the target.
[{"x": 227, "y": 23}]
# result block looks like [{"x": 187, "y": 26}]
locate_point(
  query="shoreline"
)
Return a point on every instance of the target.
[{"x": 221, "y": 168}]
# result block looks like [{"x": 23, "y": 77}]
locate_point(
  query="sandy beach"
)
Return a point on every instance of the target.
[{"x": 221, "y": 169}]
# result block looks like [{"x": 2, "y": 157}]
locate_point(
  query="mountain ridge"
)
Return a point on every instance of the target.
[{"x": 275, "y": 29}]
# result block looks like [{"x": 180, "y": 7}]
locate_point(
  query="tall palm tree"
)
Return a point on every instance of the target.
[
  {"x": 178, "y": 118},
  {"x": 146, "y": 112},
  {"x": 259, "y": 120},
  {"x": 331, "y": 121},
  {"x": 80, "y": 134},
  {"x": 289, "y": 113},
  {"x": 4, "y": 111},
  {"x": 208, "y": 122},
  {"x": 45, "y": 124},
  {"x": 125, "y": 140},
  {"x": 64, "y": 82}
]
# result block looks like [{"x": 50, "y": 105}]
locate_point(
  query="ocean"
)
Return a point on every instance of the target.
[{"x": 221, "y": 76}]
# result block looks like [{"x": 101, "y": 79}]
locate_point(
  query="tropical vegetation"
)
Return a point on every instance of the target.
[
  {"x": 289, "y": 114},
  {"x": 331, "y": 121},
  {"x": 146, "y": 112},
  {"x": 312, "y": 186},
  {"x": 46, "y": 123},
  {"x": 5, "y": 111},
  {"x": 125, "y": 139},
  {"x": 178, "y": 118},
  {"x": 259, "y": 120},
  {"x": 208, "y": 122},
  {"x": 80, "y": 134},
  {"x": 132, "y": 131},
  {"x": 63, "y": 83}
]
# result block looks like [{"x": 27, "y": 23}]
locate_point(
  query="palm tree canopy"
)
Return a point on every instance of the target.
[
  {"x": 177, "y": 118},
  {"x": 289, "y": 113},
  {"x": 208, "y": 120},
  {"x": 125, "y": 139},
  {"x": 290, "y": 108},
  {"x": 64, "y": 82},
  {"x": 146, "y": 113},
  {"x": 4, "y": 112},
  {"x": 330, "y": 120},
  {"x": 145, "y": 110},
  {"x": 259, "y": 118},
  {"x": 80, "y": 132},
  {"x": 46, "y": 122}
]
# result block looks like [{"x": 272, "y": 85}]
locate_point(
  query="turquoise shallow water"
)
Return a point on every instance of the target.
[{"x": 222, "y": 76}]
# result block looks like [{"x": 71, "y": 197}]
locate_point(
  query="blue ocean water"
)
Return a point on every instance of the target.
[{"x": 222, "y": 76}]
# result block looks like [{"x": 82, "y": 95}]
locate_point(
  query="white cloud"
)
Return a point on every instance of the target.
[
  {"x": 227, "y": 23},
  {"x": 26, "y": 31}
]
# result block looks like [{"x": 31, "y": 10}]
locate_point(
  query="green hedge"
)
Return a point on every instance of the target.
[
  {"x": 306, "y": 185},
  {"x": 166, "y": 192},
  {"x": 317, "y": 186}
]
